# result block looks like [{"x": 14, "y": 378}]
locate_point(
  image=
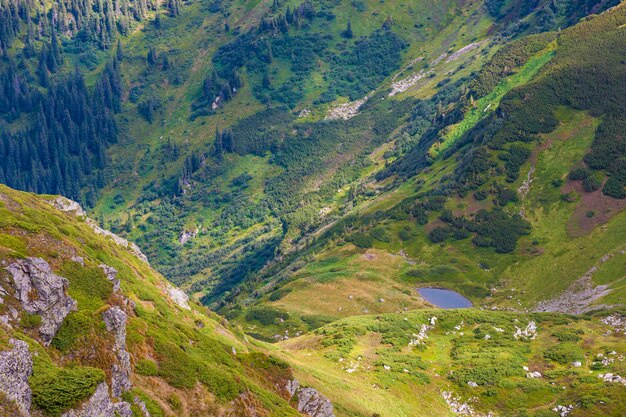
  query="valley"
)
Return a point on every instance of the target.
[{"x": 294, "y": 176}]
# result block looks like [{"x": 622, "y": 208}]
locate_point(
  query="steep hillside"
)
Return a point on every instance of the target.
[
  {"x": 88, "y": 329},
  {"x": 497, "y": 200},
  {"x": 219, "y": 134}
]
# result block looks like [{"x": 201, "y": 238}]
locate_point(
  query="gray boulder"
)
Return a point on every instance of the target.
[
  {"x": 100, "y": 405},
  {"x": 16, "y": 366},
  {"x": 42, "y": 292},
  {"x": 310, "y": 401},
  {"x": 115, "y": 321}
]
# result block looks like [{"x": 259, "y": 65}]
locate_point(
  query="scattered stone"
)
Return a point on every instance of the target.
[
  {"x": 16, "y": 366},
  {"x": 487, "y": 337},
  {"x": 610, "y": 377},
  {"x": 401, "y": 86},
  {"x": 472, "y": 384},
  {"x": 420, "y": 337},
  {"x": 616, "y": 322},
  {"x": 348, "y": 110},
  {"x": 42, "y": 292},
  {"x": 460, "y": 407},
  {"x": 79, "y": 260},
  {"x": 529, "y": 333},
  {"x": 577, "y": 364},
  {"x": 311, "y": 402},
  {"x": 563, "y": 410},
  {"x": 387, "y": 367},
  {"x": 532, "y": 375},
  {"x": 464, "y": 50},
  {"x": 581, "y": 295}
]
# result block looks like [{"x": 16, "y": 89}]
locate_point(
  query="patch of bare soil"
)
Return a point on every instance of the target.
[
  {"x": 369, "y": 256},
  {"x": 593, "y": 209}
]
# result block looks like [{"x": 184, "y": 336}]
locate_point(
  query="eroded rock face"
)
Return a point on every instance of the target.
[
  {"x": 42, "y": 292},
  {"x": 100, "y": 405},
  {"x": 115, "y": 320},
  {"x": 310, "y": 401},
  {"x": 16, "y": 366}
]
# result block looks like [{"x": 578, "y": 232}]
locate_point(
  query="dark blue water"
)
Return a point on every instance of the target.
[{"x": 444, "y": 298}]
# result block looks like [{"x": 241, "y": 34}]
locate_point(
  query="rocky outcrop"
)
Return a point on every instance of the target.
[
  {"x": 42, "y": 292},
  {"x": 178, "y": 296},
  {"x": 16, "y": 366},
  {"x": 111, "y": 274},
  {"x": 67, "y": 205},
  {"x": 142, "y": 406},
  {"x": 115, "y": 321},
  {"x": 187, "y": 235},
  {"x": 310, "y": 401},
  {"x": 100, "y": 405}
]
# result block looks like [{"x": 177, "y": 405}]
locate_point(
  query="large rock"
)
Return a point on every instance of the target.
[
  {"x": 310, "y": 401},
  {"x": 100, "y": 405},
  {"x": 16, "y": 366},
  {"x": 115, "y": 320},
  {"x": 42, "y": 292},
  {"x": 111, "y": 274}
]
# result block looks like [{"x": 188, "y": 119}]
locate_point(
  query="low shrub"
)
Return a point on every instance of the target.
[{"x": 58, "y": 389}]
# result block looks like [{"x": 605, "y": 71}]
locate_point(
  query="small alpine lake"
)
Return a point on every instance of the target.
[{"x": 444, "y": 298}]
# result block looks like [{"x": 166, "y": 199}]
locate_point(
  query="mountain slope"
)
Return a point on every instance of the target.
[
  {"x": 88, "y": 326},
  {"x": 500, "y": 211}
]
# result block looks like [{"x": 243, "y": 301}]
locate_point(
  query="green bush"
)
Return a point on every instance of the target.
[
  {"x": 146, "y": 367},
  {"x": 564, "y": 353},
  {"x": 88, "y": 285},
  {"x": 75, "y": 325},
  {"x": 265, "y": 315},
  {"x": 362, "y": 241},
  {"x": 223, "y": 385},
  {"x": 14, "y": 243},
  {"x": 381, "y": 234},
  {"x": 279, "y": 293},
  {"x": 58, "y": 389}
]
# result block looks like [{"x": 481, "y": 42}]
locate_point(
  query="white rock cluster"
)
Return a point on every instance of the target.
[
  {"x": 610, "y": 377},
  {"x": 529, "y": 333},
  {"x": 563, "y": 410},
  {"x": 420, "y": 337},
  {"x": 616, "y": 322},
  {"x": 460, "y": 407}
]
